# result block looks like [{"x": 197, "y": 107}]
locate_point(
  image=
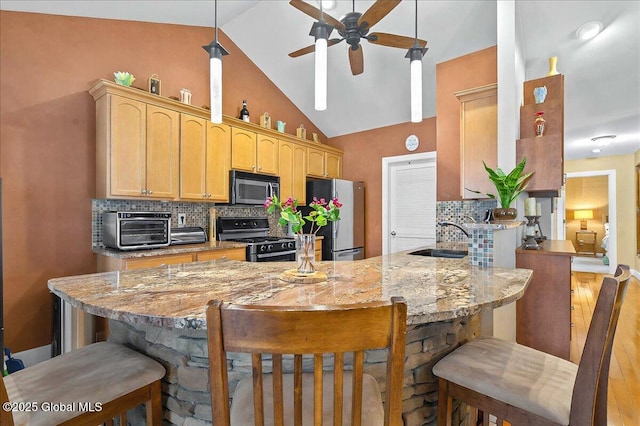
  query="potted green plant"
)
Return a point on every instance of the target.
[{"x": 508, "y": 188}]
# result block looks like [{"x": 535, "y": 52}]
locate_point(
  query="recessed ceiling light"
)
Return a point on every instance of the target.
[
  {"x": 589, "y": 30},
  {"x": 603, "y": 140},
  {"x": 596, "y": 150}
]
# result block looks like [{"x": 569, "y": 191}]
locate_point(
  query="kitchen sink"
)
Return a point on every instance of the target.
[{"x": 456, "y": 254}]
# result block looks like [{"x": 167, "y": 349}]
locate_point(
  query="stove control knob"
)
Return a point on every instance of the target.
[
  {"x": 236, "y": 224},
  {"x": 290, "y": 245},
  {"x": 263, "y": 248},
  {"x": 270, "y": 247},
  {"x": 254, "y": 224},
  {"x": 283, "y": 245}
]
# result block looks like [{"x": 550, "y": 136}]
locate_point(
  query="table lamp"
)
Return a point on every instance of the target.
[{"x": 583, "y": 215}]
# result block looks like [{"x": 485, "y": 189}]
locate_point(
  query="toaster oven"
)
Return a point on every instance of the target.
[{"x": 136, "y": 230}]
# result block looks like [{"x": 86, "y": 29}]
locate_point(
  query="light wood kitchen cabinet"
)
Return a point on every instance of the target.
[
  {"x": 140, "y": 154},
  {"x": 251, "y": 152},
  {"x": 478, "y": 138},
  {"x": 293, "y": 172},
  {"x": 137, "y": 149},
  {"x": 543, "y": 314},
  {"x": 109, "y": 263},
  {"x": 205, "y": 154},
  {"x": 323, "y": 164},
  {"x": 239, "y": 253}
]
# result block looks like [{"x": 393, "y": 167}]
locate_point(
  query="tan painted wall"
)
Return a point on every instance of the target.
[
  {"x": 363, "y": 153},
  {"x": 47, "y": 137},
  {"x": 625, "y": 199},
  {"x": 466, "y": 72}
]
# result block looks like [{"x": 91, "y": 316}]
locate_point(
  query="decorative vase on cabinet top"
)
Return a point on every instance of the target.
[
  {"x": 553, "y": 63},
  {"x": 540, "y": 94},
  {"x": 539, "y": 124}
]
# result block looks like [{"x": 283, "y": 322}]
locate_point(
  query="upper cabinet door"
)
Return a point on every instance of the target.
[
  {"x": 193, "y": 157},
  {"x": 315, "y": 162},
  {"x": 126, "y": 148},
  {"x": 243, "y": 150},
  {"x": 267, "y": 155},
  {"x": 333, "y": 165},
  {"x": 218, "y": 161},
  {"x": 163, "y": 133},
  {"x": 478, "y": 139}
]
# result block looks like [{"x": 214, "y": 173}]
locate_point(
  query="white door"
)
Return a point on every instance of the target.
[{"x": 409, "y": 202}]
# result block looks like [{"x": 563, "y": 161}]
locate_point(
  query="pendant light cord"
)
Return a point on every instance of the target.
[
  {"x": 416, "y": 18},
  {"x": 215, "y": 19}
]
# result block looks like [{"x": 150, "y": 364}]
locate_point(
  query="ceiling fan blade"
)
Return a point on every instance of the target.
[
  {"x": 356, "y": 60},
  {"x": 377, "y": 11},
  {"x": 312, "y": 48},
  {"x": 393, "y": 40},
  {"x": 315, "y": 13}
]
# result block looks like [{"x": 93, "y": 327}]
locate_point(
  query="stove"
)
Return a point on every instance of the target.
[{"x": 253, "y": 231}]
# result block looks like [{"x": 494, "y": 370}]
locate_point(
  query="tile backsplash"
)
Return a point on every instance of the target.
[
  {"x": 197, "y": 213},
  {"x": 459, "y": 212}
]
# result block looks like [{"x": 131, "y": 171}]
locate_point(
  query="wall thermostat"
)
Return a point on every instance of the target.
[{"x": 412, "y": 142}]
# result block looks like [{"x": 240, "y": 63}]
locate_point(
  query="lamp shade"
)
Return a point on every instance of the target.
[{"x": 583, "y": 214}]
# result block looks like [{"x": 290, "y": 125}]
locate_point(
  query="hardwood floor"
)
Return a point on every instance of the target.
[{"x": 624, "y": 374}]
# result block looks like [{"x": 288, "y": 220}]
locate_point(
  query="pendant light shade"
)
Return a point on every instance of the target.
[
  {"x": 415, "y": 55},
  {"x": 416, "y": 86},
  {"x": 321, "y": 30},
  {"x": 216, "y": 52}
]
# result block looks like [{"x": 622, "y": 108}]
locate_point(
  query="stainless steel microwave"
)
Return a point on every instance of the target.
[
  {"x": 136, "y": 230},
  {"x": 252, "y": 188}
]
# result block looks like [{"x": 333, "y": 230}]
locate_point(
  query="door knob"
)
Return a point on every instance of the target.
[{"x": 393, "y": 233}]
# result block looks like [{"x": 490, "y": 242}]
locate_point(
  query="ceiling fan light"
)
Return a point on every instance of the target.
[
  {"x": 589, "y": 30},
  {"x": 321, "y": 74},
  {"x": 603, "y": 140}
]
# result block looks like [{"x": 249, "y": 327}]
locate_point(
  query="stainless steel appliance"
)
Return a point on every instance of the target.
[
  {"x": 252, "y": 188},
  {"x": 136, "y": 230},
  {"x": 188, "y": 235},
  {"x": 253, "y": 231},
  {"x": 343, "y": 239}
]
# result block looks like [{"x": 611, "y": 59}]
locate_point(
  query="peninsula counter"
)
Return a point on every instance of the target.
[{"x": 161, "y": 312}]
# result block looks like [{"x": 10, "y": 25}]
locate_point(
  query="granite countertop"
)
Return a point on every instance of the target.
[
  {"x": 175, "y": 296},
  {"x": 177, "y": 249}
]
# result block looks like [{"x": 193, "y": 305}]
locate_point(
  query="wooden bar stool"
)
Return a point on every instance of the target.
[
  {"x": 334, "y": 397},
  {"x": 86, "y": 386},
  {"x": 527, "y": 387}
]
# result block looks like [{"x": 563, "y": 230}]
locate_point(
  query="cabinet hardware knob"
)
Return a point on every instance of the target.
[
  {"x": 253, "y": 167},
  {"x": 144, "y": 191},
  {"x": 204, "y": 195},
  {"x": 209, "y": 195},
  {"x": 393, "y": 232},
  {"x": 150, "y": 192}
]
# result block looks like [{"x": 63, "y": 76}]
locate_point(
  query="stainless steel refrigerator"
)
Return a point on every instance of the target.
[{"x": 343, "y": 239}]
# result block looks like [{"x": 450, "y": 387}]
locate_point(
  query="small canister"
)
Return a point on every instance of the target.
[
  {"x": 301, "y": 132},
  {"x": 265, "y": 120}
]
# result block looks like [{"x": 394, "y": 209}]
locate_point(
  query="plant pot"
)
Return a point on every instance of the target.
[
  {"x": 305, "y": 253},
  {"x": 504, "y": 215}
]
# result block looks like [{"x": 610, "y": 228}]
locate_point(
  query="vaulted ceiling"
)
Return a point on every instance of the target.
[{"x": 602, "y": 75}]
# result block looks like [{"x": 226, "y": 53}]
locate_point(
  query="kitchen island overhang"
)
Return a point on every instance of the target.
[
  {"x": 161, "y": 312},
  {"x": 175, "y": 296}
]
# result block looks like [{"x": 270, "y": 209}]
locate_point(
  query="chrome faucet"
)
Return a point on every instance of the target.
[
  {"x": 466, "y": 216},
  {"x": 460, "y": 227}
]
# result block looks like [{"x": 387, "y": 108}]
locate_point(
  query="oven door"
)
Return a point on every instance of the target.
[{"x": 283, "y": 256}]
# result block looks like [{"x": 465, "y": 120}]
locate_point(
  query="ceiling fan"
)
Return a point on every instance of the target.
[{"x": 355, "y": 26}]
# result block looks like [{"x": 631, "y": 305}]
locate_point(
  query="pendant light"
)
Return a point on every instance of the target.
[
  {"x": 216, "y": 52},
  {"x": 415, "y": 55},
  {"x": 321, "y": 30}
]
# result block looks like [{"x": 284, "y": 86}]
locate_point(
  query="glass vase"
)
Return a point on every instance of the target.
[{"x": 305, "y": 253}]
